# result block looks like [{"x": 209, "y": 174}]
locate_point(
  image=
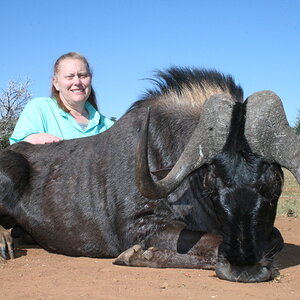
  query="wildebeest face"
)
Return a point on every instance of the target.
[{"x": 245, "y": 190}]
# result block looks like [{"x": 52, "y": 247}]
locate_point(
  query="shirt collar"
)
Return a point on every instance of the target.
[{"x": 94, "y": 115}]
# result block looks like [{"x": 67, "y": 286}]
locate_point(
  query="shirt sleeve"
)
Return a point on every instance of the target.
[{"x": 30, "y": 121}]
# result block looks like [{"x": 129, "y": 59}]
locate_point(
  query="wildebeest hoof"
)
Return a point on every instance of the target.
[
  {"x": 125, "y": 257},
  {"x": 148, "y": 254},
  {"x": 135, "y": 256}
]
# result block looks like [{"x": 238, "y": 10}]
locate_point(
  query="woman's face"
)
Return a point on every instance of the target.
[{"x": 73, "y": 81}]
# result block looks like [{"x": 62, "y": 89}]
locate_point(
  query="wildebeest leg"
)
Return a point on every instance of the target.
[
  {"x": 14, "y": 175},
  {"x": 6, "y": 244},
  {"x": 10, "y": 235},
  {"x": 6, "y": 241},
  {"x": 201, "y": 253},
  {"x": 163, "y": 258}
]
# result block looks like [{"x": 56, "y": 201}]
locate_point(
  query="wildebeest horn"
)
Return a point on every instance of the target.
[
  {"x": 207, "y": 139},
  {"x": 268, "y": 132}
]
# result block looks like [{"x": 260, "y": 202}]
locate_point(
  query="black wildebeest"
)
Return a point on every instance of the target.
[{"x": 200, "y": 190}]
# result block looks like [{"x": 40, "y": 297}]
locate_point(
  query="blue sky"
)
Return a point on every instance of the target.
[{"x": 258, "y": 42}]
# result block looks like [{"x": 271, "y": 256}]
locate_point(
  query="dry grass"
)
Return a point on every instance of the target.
[{"x": 289, "y": 202}]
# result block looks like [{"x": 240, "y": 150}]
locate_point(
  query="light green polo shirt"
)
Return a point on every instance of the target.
[{"x": 43, "y": 115}]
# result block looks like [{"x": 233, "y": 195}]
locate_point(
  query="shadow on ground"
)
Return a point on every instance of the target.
[{"x": 289, "y": 256}]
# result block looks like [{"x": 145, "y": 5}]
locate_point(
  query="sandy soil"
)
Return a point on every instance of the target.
[{"x": 37, "y": 274}]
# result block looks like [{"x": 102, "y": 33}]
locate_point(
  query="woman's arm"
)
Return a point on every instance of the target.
[
  {"x": 32, "y": 125},
  {"x": 42, "y": 138}
]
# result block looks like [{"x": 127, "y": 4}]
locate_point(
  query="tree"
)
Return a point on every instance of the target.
[
  {"x": 12, "y": 101},
  {"x": 297, "y": 126}
]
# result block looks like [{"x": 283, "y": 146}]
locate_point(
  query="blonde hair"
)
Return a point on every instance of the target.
[{"x": 55, "y": 93}]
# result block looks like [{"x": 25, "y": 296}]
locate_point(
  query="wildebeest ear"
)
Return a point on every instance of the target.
[{"x": 162, "y": 173}]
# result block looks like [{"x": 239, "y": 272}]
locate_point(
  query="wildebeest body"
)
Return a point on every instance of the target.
[{"x": 58, "y": 206}]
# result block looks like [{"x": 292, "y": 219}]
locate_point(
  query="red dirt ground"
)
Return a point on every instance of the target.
[{"x": 37, "y": 274}]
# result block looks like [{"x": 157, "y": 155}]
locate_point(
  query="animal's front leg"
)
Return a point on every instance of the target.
[
  {"x": 192, "y": 250},
  {"x": 6, "y": 244},
  {"x": 163, "y": 258}
]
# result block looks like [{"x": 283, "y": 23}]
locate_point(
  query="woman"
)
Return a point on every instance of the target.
[{"x": 71, "y": 112}]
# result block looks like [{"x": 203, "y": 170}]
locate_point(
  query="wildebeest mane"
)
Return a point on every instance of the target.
[{"x": 188, "y": 88}]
